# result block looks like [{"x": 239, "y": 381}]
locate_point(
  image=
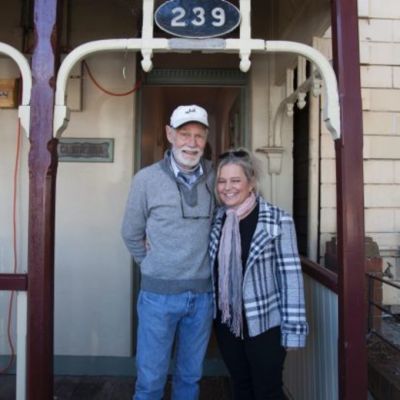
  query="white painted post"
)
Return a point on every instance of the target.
[
  {"x": 147, "y": 35},
  {"x": 245, "y": 34},
  {"x": 22, "y": 310}
]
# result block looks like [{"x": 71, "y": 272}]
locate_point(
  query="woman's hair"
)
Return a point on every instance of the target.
[{"x": 245, "y": 159}]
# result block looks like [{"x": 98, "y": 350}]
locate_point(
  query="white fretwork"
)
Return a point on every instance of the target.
[
  {"x": 274, "y": 151},
  {"x": 244, "y": 47},
  {"x": 23, "y": 65}
]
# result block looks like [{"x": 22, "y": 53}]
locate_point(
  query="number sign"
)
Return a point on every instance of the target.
[{"x": 197, "y": 18}]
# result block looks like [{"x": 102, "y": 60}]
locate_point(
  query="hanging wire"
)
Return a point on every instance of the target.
[
  {"x": 125, "y": 62},
  {"x": 14, "y": 223},
  {"x": 135, "y": 88}
]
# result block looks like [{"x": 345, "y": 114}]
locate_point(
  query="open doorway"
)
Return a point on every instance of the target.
[
  {"x": 226, "y": 106},
  {"x": 227, "y": 111}
]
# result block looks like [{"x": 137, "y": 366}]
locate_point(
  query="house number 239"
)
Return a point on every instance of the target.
[{"x": 217, "y": 15}]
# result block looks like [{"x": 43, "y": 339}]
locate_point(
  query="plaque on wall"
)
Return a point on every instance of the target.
[
  {"x": 86, "y": 150},
  {"x": 197, "y": 18}
]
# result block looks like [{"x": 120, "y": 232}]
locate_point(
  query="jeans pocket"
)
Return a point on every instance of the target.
[{"x": 146, "y": 297}]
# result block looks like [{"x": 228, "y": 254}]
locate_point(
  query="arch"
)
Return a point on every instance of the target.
[
  {"x": 331, "y": 108},
  {"x": 21, "y": 61}
]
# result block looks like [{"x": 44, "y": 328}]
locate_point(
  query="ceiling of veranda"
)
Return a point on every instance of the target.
[{"x": 85, "y": 20}]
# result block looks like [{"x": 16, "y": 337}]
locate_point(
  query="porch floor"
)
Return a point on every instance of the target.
[
  {"x": 383, "y": 369},
  {"x": 111, "y": 388}
]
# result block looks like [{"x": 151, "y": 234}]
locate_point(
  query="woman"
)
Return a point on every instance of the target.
[{"x": 257, "y": 280}]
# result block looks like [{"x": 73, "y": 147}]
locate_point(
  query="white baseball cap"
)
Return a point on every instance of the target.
[{"x": 184, "y": 114}]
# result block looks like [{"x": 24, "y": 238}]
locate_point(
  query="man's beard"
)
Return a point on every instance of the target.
[{"x": 183, "y": 160}]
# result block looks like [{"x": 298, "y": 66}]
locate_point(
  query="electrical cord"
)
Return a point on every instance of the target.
[
  {"x": 135, "y": 88},
  {"x": 15, "y": 183},
  {"x": 14, "y": 224}
]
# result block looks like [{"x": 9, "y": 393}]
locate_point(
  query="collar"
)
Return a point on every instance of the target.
[{"x": 197, "y": 171}]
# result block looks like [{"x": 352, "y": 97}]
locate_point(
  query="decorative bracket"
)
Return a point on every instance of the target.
[
  {"x": 288, "y": 104},
  {"x": 331, "y": 108},
  {"x": 24, "y": 109},
  {"x": 147, "y": 35},
  {"x": 274, "y": 155}
]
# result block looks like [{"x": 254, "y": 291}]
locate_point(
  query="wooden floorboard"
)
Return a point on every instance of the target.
[{"x": 110, "y": 388}]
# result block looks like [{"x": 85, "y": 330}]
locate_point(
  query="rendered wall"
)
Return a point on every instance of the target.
[
  {"x": 93, "y": 304},
  {"x": 8, "y": 149}
]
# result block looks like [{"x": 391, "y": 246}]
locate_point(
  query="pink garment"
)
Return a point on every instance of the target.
[{"x": 230, "y": 269}]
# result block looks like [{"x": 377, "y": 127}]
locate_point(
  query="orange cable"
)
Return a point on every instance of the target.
[
  {"x": 14, "y": 216},
  {"x": 135, "y": 88}
]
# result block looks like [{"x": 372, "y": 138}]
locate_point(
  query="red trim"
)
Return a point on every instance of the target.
[
  {"x": 322, "y": 275},
  {"x": 42, "y": 178},
  {"x": 350, "y": 204},
  {"x": 13, "y": 282}
]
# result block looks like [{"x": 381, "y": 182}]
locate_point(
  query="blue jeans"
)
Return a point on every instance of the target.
[{"x": 185, "y": 317}]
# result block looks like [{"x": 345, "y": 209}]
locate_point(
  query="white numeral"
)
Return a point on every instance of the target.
[
  {"x": 219, "y": 14},
  {"x": 180, "y": 14},
  {"x": 200, "y": 19}
]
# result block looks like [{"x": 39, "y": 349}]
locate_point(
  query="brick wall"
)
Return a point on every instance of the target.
[{"x": 379, "y": 30}]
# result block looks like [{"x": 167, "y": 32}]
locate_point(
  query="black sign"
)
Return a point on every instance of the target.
[
  {"x": 86, "y": 149},
  {"x": 197, "y": 18}
]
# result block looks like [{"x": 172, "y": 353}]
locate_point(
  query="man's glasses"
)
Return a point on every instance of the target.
[
  {"x": 201, "y": 211},
  {"x": 234, "y": 154}
]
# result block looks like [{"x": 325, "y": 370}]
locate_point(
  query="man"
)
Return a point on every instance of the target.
[{"x": 166, "y": 229}]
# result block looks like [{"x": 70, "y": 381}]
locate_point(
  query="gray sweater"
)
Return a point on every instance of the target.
[{"x": 166, "y": 228}]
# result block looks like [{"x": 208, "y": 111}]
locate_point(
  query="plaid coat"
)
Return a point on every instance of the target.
[{"x": 272, "y": 283}]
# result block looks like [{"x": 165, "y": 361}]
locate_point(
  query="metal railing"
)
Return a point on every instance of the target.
[
  {"x": 376, "y": 307},
  {"x": 312, "y": 373}
]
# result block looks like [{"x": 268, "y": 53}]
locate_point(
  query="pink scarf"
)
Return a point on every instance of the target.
[{"x": 230, "y": 269}]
